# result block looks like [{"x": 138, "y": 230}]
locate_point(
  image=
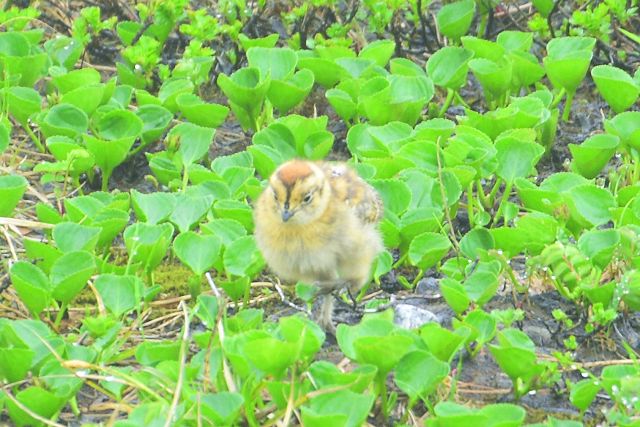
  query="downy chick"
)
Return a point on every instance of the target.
[{"x": 316, "y": 222}]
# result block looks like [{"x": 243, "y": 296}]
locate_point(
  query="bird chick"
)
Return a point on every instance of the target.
[{"x": 316, "y": 222}]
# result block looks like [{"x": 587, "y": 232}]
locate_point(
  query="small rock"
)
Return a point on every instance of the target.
[
  {"x": 539, "y": 335},
  {"x": 409, "y": 316},
  {"x": 428, "y": 287}
]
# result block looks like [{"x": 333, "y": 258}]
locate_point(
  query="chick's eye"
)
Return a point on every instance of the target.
[{"x": 307, "y": 198}]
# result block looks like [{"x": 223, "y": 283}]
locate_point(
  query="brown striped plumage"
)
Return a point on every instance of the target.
[{"x": 316, "y": 222}]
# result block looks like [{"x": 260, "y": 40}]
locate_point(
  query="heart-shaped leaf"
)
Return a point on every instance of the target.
[
  {"x": 70, "y": 273},
  {"x": 198, "y": 252},
  {"x": 32, "y": 285}
]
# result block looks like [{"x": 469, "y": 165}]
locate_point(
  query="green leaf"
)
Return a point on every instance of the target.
[
  {"x": 475, "y": 242},
  {"x": 76, "y": 79},
  {"x": 120, "y": 294},
  {"x": 481, "y": 324},
  {"x": 12, "y": 188},
  {"x": 455, "y": 295},
  {"x": 5, "y": 132},
  {"x": 516, "y": 158},
  {"x": 270, "y": 355},
  {"x": 147, "y": 244},
  {"x": 22, "y": 102},
  {"x": 617, "y": 87},
  {"x": 153, "y": 208},
  {"x": 516, "y": 355},
  {"x": 60, "y": 380},
  {"x": 189, "y": 210},
  {"x": 481, "y": 286},
  {"x": 64, "y": 51},
  {"x": 279, "y": 63},
  {"x": 583, "y": 393},
  {"x": 457, "y": 415},
  {"x": 304, "y": 333},
  {"x": 246, "y": 90},
  {"x": 38, "y": 401},
  {"x": 515, "y": 40},
  {"x": 448, "y": 67},
  {"x": 70, "y": 273},
  {"x": 327, "y": 375},
  {"x": 344, "y": 104},
  {"x": 568, "y": 60},
  {"x": 236, "y": 210},
  {"x": 222, "y": 408},
  {"x": 87, "y": 98},
  {"x": 201, "y": 113},
  {"x": 286, "y": 94},
  {"x": 227, "y": 230},
  {"x": 341, "y": 408},
  {"x": 454, "y": 19},
  {"x": 242, "y": 257},
  {"x": 70, "y": 237},
  {"x": 38, "y": 337},
  {"x": 33, "y": 287},
  {"x": 193, "y": 140},
  {"x": 627, "y": 126},
  {"x": 419, "y": 373},
  {"x": 482, "y": 48},
  {"x": 382, "y": 351},
  {"x": 380, "y": 51},
  {"x": 266, "y": 41},
  {"x": 171, "y": 89},
  {"x": 116, "y": 132},
  {"x": 325, "y": 71},
  {"x": 589, "y": 205},
  {"x": 495, "y": 77},
  {"x": 369, "y": 327},
  {"x": 151, "y": 353},
  {"x": 427, "y": 249},
  {"x": 443, "y": 343},
  {"x": 207, "y": 307},
  {"x": 198, "y": 252},
  {"x": 155, "y": 120},
  {"x": 15, "y": 363},
  {"x": 590, "y": 157},
  {"x": 395, "y": 194}
]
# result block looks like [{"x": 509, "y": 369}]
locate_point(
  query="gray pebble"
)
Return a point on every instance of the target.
[{"x": 409, "y": 316}]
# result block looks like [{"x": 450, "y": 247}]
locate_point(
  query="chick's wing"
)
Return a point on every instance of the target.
[{"x": 355, "y": 192}]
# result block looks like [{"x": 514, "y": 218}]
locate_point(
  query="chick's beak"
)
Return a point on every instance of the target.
[{"x": 286, "y": 214}]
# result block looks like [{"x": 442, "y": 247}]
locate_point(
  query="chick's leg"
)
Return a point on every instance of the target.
[
  {"x": 356, "y": 272},
  {"x": 325, "y": 317},
  {"x": 326, "y": 285}
]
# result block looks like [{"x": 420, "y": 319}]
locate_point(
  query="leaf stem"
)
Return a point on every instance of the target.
[
  {"x": 382, "y": 391},
  {"x": 447, "y": 102},
  {"x": 461, "y": 99},
  {"x": 493, "y": 192},
  {"x": 482, "y": 198},
  {"x": 557, "y": 99},
  {"x": 106, "y": 174},
  {"x": 470, "y": 204},
  {"x": 136, "y": 150},
  {"x": 60, "y": 315},
  {"x": 567, "y": 106},
  {"x": 401, "y": 260},
  {"x": 33, "y": 137},
  {"x": 185, "y": 178},
  {"x": 503, "y": 201},
  {"x": 419, "y": 276}
]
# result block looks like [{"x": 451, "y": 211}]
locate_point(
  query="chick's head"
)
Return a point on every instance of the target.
[{"x": 300, "y": 192}]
